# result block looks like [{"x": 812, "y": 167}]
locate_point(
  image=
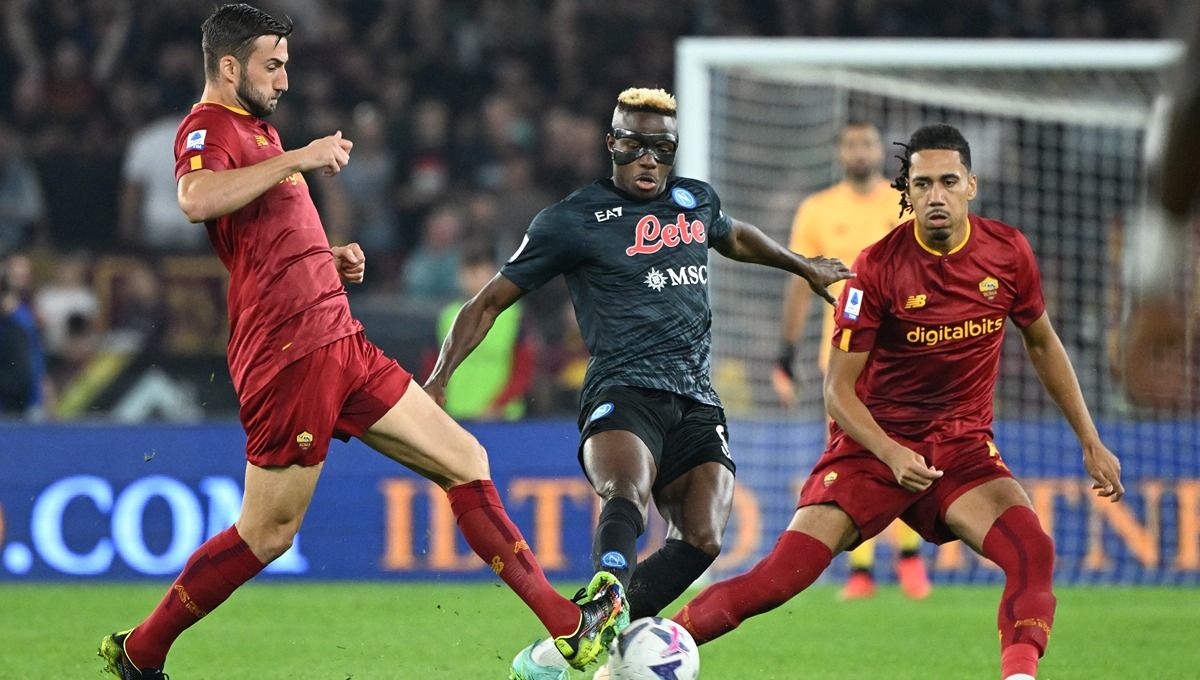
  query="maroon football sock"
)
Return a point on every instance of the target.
[
  {"x": 493, "y": 536},
  {"x": 792, "y": 565},
  {"x": 1019, "y": 657},
  {"x": 210, "y": 576},
  {"x": 1019, "y": 546}
]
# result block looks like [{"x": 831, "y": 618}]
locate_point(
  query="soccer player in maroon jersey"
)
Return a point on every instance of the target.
[
  {"x": 303, "y": 370},
  {"x": 909, "y": 388}
]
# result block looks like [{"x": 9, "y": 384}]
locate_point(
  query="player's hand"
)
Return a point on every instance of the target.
[
  {"x": 910, "y": 469},
  {"x": 783, "y": 380},
  {"x": 823, "y": 271},
  {"x": 1105, "y": 469},
  {"x": 350, "y": 262},
  {"x": 435, "y": 389},
  {"x": 331, "y": 153},
  {"x": 784, "y": 386}
]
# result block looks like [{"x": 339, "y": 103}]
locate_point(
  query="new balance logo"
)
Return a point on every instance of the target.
[{"x": 914, "y": 302}]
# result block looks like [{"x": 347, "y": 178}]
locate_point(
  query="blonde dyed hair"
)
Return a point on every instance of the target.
[{"x": 646, "y": 99}]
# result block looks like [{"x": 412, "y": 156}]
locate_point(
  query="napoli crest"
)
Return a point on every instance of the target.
[{"x": 683, "y": 198}]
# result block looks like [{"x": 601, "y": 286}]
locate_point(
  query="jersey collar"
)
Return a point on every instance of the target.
[
  {"x": 917, "y": 235},
  {"x": 238, "y": 111},
  {"x": 607, "y": 183}
]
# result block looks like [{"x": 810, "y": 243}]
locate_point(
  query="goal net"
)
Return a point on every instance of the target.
[{"x": 1057, "y": 132}]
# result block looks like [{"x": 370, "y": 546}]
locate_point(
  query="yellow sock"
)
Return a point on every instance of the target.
[
  {"x": 863, "y": 557},
  {"x": 909, "y": 541}
]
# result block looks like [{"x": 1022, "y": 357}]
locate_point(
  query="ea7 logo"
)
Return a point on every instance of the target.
[{"x": 606, "y": 215}]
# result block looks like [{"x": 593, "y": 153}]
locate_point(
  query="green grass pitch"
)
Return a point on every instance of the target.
[{"x": 363, "y": 631}]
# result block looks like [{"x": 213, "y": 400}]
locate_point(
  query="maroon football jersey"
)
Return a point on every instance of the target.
[
  {"x": 934, "y": 324},
  {"x": 285, "y": 296}
]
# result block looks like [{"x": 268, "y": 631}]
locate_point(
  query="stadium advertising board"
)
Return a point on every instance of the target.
[{"x": 108, "y": 502}]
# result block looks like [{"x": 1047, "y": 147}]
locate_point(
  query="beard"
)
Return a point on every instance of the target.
[
  {"x": 860, "y": 174},
  {"x": 258, "y": 103}
]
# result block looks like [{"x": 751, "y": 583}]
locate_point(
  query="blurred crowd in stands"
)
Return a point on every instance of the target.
[{"x": 468, "y": 117}]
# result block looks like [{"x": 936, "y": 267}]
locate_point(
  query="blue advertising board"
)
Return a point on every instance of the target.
[{"x": 117, "y": 502}]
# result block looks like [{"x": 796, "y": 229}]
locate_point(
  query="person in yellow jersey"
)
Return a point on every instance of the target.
[
  {"x": 839, "y": 222},
  {"x": 492, "y": 383}
]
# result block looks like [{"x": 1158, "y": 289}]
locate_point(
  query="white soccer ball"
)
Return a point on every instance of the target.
[{"x": 654, "y": 649}]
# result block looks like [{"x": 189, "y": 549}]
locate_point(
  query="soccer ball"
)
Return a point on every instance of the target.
[{"x": 654, "y": 649}]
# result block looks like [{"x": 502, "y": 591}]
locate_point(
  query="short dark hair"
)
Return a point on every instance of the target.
[
  {"x": 936, "y": 136},
  {"x": 232, "y": 29}
]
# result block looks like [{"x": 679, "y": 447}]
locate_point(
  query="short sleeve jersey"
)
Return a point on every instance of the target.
[
  {"x": 934, "y": 325},
  {"x": 839, "y": 222},
  {"x": 637, "y": 272},
  {"x": 285, "y": 297}
]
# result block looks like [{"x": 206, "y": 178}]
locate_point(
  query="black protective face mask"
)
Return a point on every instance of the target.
[{"x": 661, "y": 145}]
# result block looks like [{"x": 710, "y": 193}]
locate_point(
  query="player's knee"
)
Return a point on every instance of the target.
[
  {"x": 1040, "y": 547},
  {"x": 622, "y": 488},
  {"x": 1036, "y": 544},
  {"x": 268, "y": 542},
  {"x": 278, "y": 546},
  {"x": 471, "y": 464},
  {"x": 707, "y": 540},
  {"x": 1032, "y": 550}
]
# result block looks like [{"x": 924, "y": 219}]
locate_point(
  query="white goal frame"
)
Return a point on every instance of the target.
[{"x": 695, "y": 59}]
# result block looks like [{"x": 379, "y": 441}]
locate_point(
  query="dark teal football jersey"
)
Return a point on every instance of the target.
[{"x": 638, "y": 276}]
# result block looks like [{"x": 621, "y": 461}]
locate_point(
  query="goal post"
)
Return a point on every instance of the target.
[
  {"x": 1057, "y": 130},
  {"x": 699, "y": 59}
]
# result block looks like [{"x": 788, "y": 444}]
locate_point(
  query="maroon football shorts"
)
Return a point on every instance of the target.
[
  {"x": 852, "y": 477},
  {"x": 339, "y": 390}
]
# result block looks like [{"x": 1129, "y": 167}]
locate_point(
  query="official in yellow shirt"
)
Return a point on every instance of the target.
[{"x": 840, "y": 222}]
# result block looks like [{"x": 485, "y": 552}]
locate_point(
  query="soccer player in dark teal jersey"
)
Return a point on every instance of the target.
[{"x": 634, "y": 251}]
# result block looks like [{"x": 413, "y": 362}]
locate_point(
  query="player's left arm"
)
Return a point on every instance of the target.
[
  {"x": 747, "y": 243},
  {"x": 1053, "y": 366},
  {"x": 350, "y": 261}
]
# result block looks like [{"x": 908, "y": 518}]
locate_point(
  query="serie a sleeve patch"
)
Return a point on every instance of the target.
[{"x": 195, "y": 140}]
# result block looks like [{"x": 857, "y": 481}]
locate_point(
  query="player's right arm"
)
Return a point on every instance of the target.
[
  {"x": 470, "y": 327},
  {"x": 852, "y": 415},
  {"x": 206, "y": 194},
  {"x": 551, "y": 246},
  {"x": 859, "y": 313}
]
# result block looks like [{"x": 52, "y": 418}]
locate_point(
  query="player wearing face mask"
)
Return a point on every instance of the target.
[{"x": 634, "y": 250}]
